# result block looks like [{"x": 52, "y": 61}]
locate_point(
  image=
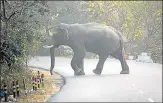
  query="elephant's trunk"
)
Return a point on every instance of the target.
[{"x": 52, "y": 55}]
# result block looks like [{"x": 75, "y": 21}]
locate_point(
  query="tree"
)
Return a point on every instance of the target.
[
  {"x": 139, "y": 21},
  {"x": 22, "y": 32}
]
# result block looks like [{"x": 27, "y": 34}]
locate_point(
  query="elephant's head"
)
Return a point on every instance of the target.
[{"x": 60, "y": 37}]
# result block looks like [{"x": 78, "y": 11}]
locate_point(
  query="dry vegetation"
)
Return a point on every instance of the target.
[{"x": 41, "y": 95}]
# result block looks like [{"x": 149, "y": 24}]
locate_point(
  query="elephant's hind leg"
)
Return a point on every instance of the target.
[
  {"x": 100, "y": 65},
  {"x": 120, "y": 56},
  {"x": 125, "y": 67}
]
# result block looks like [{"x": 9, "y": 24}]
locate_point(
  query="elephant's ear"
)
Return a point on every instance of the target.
[{"x": 64, "y": 28}]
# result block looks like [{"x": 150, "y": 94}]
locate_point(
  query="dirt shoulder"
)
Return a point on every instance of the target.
[{"x": 52, "y": 85}]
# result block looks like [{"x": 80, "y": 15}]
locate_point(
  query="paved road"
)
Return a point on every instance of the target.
[{"x": 143, "y": 84}]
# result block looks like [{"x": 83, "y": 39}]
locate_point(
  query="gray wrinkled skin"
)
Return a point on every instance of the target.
[{"x": 91, "y": 37}]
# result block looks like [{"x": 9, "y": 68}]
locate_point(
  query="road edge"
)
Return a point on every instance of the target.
[{"x": 63, "y": 78}]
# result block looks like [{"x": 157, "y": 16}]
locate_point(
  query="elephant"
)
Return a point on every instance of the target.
[{"x": 89, "y": 37}]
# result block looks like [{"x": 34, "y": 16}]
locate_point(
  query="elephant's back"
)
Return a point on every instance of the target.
[
  {"x": 102, "y": 40},
  {"x": 96, "y": 37}
]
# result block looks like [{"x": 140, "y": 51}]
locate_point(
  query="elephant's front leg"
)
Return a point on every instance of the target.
[
  {"x": 81, "y": 66},
  {"x": 100, "y": 65},
  {"x": 77, "y": 65}
]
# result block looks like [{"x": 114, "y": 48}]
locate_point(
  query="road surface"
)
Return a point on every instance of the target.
[{"x": 143, "y": 84}]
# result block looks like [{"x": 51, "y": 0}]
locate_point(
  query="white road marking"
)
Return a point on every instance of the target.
[
  {"x": 151, "y": 100},
  {"x": 141, "y": 91}
]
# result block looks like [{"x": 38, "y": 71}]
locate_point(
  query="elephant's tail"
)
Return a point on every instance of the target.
[
  {"x": 122, "y": 44},
  {"x": 122, "y": 40},
  {"x": 119, "y": 34},
  {"x": 121, "y": 37}
]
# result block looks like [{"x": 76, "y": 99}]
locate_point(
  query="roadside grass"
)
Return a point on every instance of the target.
[{"x": 45, "y": 92}]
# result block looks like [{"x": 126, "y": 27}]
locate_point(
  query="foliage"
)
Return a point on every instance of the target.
[
  {"x": 139, "y": 21},
  {"x": 22, "y": 32}
]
